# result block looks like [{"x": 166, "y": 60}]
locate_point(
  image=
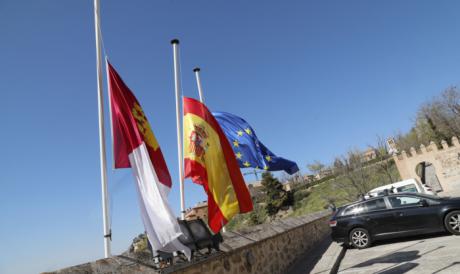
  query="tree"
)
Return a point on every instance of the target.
[
  {"x": 436, "y": 120},
  {"x": 276, "y": 196},
  {"x": 338, "y": 164},
  {"x": 257, "y": 215},
  {"x": 316, "y": 167},
  {"x": 354, "y": 179},
  {"x": 384, "y": 160}
]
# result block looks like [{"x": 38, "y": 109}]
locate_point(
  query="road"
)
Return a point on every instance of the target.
[{"x": 429, "y": 254}]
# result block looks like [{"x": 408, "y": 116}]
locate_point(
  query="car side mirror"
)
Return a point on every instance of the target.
[{"x": 423, "y": 203}]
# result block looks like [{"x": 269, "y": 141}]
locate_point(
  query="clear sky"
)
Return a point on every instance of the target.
[{"x": 313, "y": 78}]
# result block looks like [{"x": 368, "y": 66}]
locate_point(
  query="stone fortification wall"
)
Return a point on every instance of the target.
[
  {"x": 267, "y": 248},
  {"x": 446, "y": 162}
]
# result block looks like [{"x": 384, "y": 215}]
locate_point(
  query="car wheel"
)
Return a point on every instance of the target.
[
  {"x": 452, "y": 222},
  {"x": 360, "y": 238}
]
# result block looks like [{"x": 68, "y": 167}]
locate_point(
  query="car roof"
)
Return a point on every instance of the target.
[
  {"x": 389, "y": 195},
  {"x": 397, "y": 184}
]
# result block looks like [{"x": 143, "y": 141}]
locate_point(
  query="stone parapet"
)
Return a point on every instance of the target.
[{"x": 266, "y": 248}]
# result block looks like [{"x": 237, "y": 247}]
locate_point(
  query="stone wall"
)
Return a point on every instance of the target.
[
  {"x": 446, "y": 162},
  {"x": 268, "y": 248}
]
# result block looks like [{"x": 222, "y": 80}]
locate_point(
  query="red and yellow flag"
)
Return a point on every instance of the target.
[{"x": 210, "y": 162}]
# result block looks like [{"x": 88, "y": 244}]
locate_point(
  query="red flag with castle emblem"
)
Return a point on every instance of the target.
[{"x": 135, "y": 146}]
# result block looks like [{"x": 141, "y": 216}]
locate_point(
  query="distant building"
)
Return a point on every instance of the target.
[
  {"x": 308, "y": 178},
  {"x": 288, "y": 186},
  {"x": 199, "y": 211},
  {"x": 256, "y": 189},
  {"x": 324, "y": 173},
  {"x": 369, "y": 155},
  {"x": 391, "y": 146}
]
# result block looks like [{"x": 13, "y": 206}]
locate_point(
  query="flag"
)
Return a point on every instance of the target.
[
  {"x": 210, "y": 162},
  {"x": 249, "y": 151},
  {"x": 135, "y": 146}
]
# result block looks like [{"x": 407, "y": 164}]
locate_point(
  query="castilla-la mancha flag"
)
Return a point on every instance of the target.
[
  {"x": 135, "y": 146},
  {"x": 210, "y": 162}
]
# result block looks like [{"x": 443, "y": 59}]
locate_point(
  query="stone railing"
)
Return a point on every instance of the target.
[{"x": 266, "y": 248}]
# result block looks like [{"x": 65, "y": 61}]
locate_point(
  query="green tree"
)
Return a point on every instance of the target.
[
  {"x": 436, "y": 120},
  {"x": 258, "y": 215},
  {"x": 276, "y": 196}
]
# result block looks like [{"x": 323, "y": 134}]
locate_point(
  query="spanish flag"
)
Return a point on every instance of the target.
[{"x": 210, "y": 162}]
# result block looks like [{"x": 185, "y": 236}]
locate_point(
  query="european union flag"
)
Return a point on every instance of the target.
[{"x": 249, "y": 151}]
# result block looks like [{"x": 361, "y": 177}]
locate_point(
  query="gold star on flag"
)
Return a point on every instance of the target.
[
  {"x": 239, "y": 132},
  {"x": 268, "y": 158},
  {"x": 246, "y": 164},
  {"x": 265, "y": 167},
  {"x": 248, "y": 131},
  {"x": 239, "y": 155},
  {"x": 236, "y": 144}
]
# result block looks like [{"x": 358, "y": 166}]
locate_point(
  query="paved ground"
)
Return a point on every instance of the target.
[
  {"x": 319, "y": 260},
  {"x": 429, "y": 254}
]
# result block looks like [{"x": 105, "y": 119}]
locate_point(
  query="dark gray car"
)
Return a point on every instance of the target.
[{"x": 394, "y": 215}]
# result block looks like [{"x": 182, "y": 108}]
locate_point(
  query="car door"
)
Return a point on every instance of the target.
[
  {"x": 377, "y": 216},
  {"x": 410, "y": 215}
]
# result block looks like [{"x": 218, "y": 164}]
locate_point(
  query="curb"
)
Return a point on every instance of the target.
[{"x": 338, "y": 260}]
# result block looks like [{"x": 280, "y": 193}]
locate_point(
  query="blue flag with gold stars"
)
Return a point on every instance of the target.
[{"x": 249, "y": 151}]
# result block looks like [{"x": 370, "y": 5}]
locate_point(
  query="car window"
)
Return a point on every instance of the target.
[
  {"x": 403, "y": 201},
  {"x": 377, "y": 204},
  {"x": 407, "y": 188},
  {"x": 355, "y": 209}
]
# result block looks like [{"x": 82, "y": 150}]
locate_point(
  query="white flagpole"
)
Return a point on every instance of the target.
[
  {"x": 103, "y": 160},
  {"x": 198, "y": 83},
  {"x": 200, "y": 93},
  {"x": 175, "y": 44}
]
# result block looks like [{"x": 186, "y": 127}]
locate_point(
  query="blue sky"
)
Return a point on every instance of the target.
[{"x": 313, "y": 78}]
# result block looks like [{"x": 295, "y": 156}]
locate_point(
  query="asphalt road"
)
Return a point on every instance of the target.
[{"x": 428, "y": 254}]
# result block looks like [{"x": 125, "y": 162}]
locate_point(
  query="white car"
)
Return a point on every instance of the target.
[{"x": 410, "y": 185}]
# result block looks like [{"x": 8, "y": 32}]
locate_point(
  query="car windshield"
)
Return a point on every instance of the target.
[{"x": 407, "y": 188}]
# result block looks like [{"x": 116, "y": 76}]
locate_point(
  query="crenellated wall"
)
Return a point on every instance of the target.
[{"x": 445, "y": 159}]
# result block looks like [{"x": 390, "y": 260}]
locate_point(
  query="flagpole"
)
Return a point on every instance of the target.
[
  {"x": 200, "y": 93},
  {"x": 198, "y": 83},
  {"x": 175, "y": 44},
  {"x": 103, "y": 160}
]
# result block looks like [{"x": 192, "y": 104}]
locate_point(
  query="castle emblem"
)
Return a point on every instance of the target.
[{"x": 144, "y": 126}]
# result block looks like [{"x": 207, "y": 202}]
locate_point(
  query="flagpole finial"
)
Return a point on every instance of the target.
[
  {"x": 175, "y": 41},
  {"x": 196, "y": 69}
]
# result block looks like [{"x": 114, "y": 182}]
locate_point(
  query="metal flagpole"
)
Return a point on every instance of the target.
[
  {"x": 198, "y": 83},
  {"x": 103, "y": 160},
  {"x": 200, "y": 93},
  {"x": 175, "y": 44}
]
